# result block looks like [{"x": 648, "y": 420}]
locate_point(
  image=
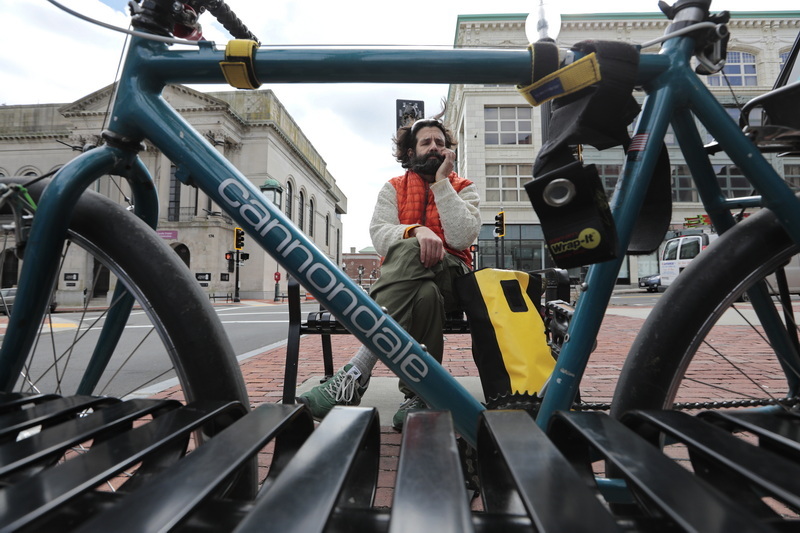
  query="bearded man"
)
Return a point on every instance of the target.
[{"x": 423, "y": 225}]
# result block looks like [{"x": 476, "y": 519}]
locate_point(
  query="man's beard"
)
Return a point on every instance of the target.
[{"x": 427, "y": 164}]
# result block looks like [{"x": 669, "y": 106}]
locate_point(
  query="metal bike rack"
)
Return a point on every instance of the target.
[{"x": 325, "y": 479}]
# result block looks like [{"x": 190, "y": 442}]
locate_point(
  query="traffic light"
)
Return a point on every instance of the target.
[
  {"x": 229, "y": 258},
  {"x": 500, "y": 224},
  {"x": 238, "y": 238}
]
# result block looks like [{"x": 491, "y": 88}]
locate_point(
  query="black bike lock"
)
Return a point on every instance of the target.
[{"x": 575, "y": 216}]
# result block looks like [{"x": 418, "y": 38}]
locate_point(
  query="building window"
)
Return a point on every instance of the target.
[
  {"x": 301, "y": 215},
  {"x": 311, "y": 218},
  {"x": 289, "y": 199},
  {"x": 327, "y": 230},
  {"x": 504, "y": 182},
  {"x": 683, "y": 189},
  {"x": 791, "y": 172},
  {"x": 732, "y": 181},
  {"x": 609, "y": 175},
  {"x": 338, "y": 246},
  {"x": 507, "y": 125},
  {"x": 740, "y": 70},
  {"x": 174, "y": 206}
]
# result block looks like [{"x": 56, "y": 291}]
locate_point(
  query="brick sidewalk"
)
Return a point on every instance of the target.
[
  {"x": 264, "y": 377},
  {"x": 264, "y": 373}
]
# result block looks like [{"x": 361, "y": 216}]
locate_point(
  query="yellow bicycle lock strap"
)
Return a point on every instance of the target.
[
  {"x": 574, "y": 77},
  {"x": 239, "y": 67}
]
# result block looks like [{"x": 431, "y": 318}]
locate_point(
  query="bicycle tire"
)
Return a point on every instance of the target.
[
  {"x": 193, "y": 336},
  {"x": 683, "y": 319}
]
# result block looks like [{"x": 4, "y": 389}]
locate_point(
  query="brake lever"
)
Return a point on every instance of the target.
[{"x": 713, "y": 55}]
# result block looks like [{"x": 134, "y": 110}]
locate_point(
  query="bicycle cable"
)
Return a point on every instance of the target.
[
  {"x": 678, "y": 33},
  {"x": 172, "y": 40},
  {"x": 143, "y": 35}
]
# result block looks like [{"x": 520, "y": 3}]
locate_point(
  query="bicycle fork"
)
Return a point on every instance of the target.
[{"x": 42, "y": 250}]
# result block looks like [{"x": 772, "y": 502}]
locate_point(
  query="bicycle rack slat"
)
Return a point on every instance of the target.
[
  {"x": 666, "y": 488},
  {"x": 52, "y": 411},
  {"x": 523, "y": 473},
  {"x": 326, "y": 478},
  {"x": 53, "y": 441},
  {"x": 337, "y": 466},
  {"x": 778, "y": 431},
  {"x": 174, "y": 494},
  {"x": 734, "y": 466},
  {"x": 32, "y": 497},
  {"x": 429, "y": 460},
  {"x": 13, "y": 401}
]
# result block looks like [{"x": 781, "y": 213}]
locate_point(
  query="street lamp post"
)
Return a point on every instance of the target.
[{"x": 273, "y": 191}]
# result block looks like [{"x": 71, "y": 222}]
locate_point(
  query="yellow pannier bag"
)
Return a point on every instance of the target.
[{"x": 509, "y": 344}]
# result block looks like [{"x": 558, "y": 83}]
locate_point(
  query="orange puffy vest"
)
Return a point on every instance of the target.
[{"x": 415, "y": 205}]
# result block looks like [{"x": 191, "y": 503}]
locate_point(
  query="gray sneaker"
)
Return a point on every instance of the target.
[
  {"x": 344, "y": 388},
  {"x": 399, "y": 418}
]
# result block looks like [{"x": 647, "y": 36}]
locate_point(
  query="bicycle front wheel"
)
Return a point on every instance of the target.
[
  {"x": 702, "y": 346},
  {"x": 173, "y": 343}
]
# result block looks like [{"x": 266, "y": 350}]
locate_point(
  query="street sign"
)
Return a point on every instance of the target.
[{"x": 409, "y": 111}]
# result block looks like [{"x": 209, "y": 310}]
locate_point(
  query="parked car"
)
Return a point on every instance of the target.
[
  {"x": 651, "y": 283},
  {"x": 679, "y": 252},
  {"x": 7, "y": 297}
]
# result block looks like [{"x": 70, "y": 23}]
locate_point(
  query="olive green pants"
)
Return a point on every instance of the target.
[{"x": 417, "y": 297}]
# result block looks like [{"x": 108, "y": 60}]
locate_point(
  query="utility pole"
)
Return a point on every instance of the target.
[
  {"x": 236, "y": 278},
  {"x": 499, "y": 239},
  {"x": 238, "y": 244}
]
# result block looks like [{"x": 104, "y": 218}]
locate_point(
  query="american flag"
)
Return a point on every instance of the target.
[{"x": 638, "y": 142}]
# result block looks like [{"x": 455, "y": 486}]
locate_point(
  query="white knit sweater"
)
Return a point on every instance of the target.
[{"x": 458, "y": 211}]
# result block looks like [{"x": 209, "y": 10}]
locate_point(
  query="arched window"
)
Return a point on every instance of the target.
[
  {"x": 28, "y": 171},
  {"x": 289, "y": 199},
  {"x": 327, "y": 230},
  {"x": 311, "y": 218},
  {"x": 300, "y": 210},
  {"x": 740, "y": 69}
]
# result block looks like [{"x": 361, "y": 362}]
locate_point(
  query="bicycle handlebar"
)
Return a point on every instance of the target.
[
  {"x": 223, "y": 13},
  {"x": 162, "y": 16}
]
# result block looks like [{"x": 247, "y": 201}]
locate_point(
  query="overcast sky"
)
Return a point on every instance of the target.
[{"x": 46, "y": 56}]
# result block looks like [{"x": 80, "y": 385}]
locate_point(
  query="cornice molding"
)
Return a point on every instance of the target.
[{"x": 37, "y": 135}]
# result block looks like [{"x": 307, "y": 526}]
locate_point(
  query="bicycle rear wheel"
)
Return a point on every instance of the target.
[
  {"x": 173, "y": 343},
  {"x": 702, "y": 346}
]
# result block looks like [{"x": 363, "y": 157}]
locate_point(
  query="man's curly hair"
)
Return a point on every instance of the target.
[{"x": 406, "y": 138}]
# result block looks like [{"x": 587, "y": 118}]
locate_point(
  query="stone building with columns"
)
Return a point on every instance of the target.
[{"x": 252, "y": 129}]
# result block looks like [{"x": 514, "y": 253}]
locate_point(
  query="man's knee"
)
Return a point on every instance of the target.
[
  {"x": 401, "y": 252},
  {"x": 428, "y": 294},
  {"x": 402, "y": 245}
]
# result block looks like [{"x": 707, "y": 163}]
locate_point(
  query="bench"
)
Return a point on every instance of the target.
[
  {"x": 324, "y": 324},
  {"x": 529, "y": 480},
  {"x": 227, "y": 297}
]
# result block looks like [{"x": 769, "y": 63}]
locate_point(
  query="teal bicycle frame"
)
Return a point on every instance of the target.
[
  {"x": 675, "y": 96},
  {"x": 140, "y": 112}
]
